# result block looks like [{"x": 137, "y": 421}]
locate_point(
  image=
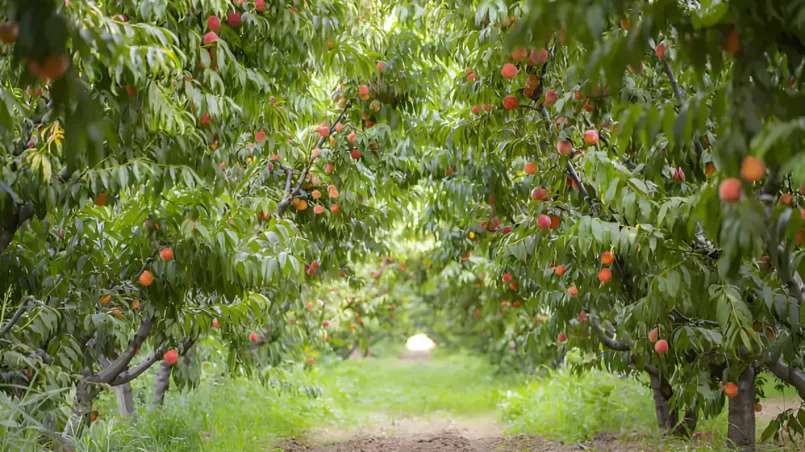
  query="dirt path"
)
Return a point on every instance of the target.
[
  {"x": 442, "y": 435},
  {"x": 774, "y": 406}
]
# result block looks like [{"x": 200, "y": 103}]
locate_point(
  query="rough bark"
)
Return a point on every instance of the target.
[
  {"x": 161, "y": 384},
  {"x": 668, "y": 419},
  {"x": 125, "y": 399},
  {"x": 90, "y": 386},
  {"x": 741, "y": 429}
]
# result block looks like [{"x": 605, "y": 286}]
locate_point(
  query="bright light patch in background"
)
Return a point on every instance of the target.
[{"x": 420, "y": 343}]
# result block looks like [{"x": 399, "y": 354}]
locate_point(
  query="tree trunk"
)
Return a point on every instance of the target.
[
  {"x": 125, "y": 399},
  {"x": 161, "y": 384},
  {"x": 688, "y": 424},
  {"x": 82, "y": 410},
  {"x": 741, "y": 430},
  {"x": 668, "y": 419}
]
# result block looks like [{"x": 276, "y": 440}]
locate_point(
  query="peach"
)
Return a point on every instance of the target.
[
  {"x": 166, "y": 254},
  {"x": 509, "y": 71},
  {"x": 591, "y": 137},
  {"x": 519, "y": 54},
  {"x": 732, "y": 47},
  {"x": 551, "y": 97},
  {"x": 210, "y": 38},
  {"x": 146, "y": 278},
  {"x": 752, "y": 169},
  {"x": 539, "y": 194},
  {"x": 510, "y": 102},
  {"x": 170, "y": 357},
  {"x": 730, "y": 190},
  {"x": 660, "y": 51},
  {"x": 564, "y": 147}
]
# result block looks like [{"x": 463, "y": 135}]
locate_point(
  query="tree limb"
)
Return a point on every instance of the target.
[
  {"x": 121, "y": 362},
  {"x": 789, "y": 374},
  {"x": 620, "y": 346},
  {"x": 13, "y": 320},
  {"x": 285, "y": 203}
]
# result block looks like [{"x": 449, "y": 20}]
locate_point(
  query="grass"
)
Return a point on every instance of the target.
[
  {"x": 568, "y": 407},
  {"x": 234, "y": 414},
  {"x": 455, "y": 384}
]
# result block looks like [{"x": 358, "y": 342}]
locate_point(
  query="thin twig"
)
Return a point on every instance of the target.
[
  {"x": 700, "y": 322},
  {"x": 629, "y": 164}
]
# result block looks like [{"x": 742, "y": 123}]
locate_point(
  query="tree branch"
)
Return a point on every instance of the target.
[
  {"x": 620, "y": 346},
  {"x": 146, "y": 364},
  {"x": 699, "y": 322},
  {"x": 678, "y": 95},
  {"x": 674, "y": 85},
  {"x": 285, "y": 203},
  {"x": 789, "y": 374},
  {"x": 13, "y": 320},
  {"x": 119, "y": 365},
  {"x": 629, "y": 164},
  {"x": 136, "y": 371},
  {"x": 289, "y": 172}
]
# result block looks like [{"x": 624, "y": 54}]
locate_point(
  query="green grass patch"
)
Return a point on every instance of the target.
[
  {"x": 228, "y": 413},
  {"x": 456, "y": 384},
  {"x": 570, "y": 407},
  {"x": 225, "y": 415}
]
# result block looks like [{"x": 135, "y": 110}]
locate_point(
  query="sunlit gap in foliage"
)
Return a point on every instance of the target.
[{"x": 420, "y": 343}]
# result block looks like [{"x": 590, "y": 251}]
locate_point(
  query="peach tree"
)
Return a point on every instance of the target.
[
  {"x": 175, "y": 170},
  {"x": 609, "y": 159}
]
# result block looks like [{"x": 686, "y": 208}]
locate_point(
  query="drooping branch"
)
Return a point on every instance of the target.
[
  {"x": 285, "y": 203},
  {"x": 13, "y": 320}
]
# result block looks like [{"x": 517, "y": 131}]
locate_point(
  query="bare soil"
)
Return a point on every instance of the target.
[{"x": 445, "y": 435}]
